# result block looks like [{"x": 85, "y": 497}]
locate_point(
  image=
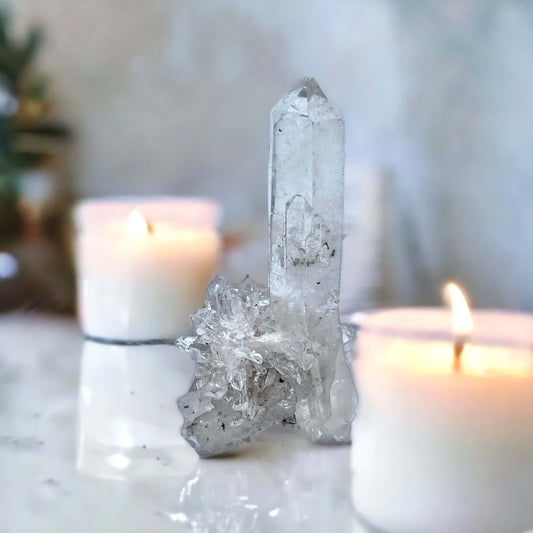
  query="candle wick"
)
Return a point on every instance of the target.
[
  {"x": 149, "y": 227},
  {"x": 458, "y": 347}
]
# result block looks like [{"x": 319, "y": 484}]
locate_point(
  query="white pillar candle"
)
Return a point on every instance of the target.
[
  {"x": 143, "y": 265},
  {"x": 439, "y": 447}
]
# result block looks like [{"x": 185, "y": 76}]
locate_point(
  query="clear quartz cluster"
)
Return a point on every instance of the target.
[{"x": 268, "y": 355}]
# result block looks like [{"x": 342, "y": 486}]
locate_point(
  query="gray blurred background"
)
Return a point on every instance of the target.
[{"x": 173, "y": 96}]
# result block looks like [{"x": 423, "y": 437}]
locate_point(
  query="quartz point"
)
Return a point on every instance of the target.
[{"x": 278, "y": 354}]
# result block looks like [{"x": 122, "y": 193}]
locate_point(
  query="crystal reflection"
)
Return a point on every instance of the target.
[
  {"x": 128, "y": 420},
  {"x": 280, "y": 483}
]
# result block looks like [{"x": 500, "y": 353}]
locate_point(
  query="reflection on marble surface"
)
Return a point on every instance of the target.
[
  {"x": 128, "y": 421},
  {"x": 280, "y": 483}
]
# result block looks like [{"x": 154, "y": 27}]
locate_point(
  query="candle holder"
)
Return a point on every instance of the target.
[
  {"x": 440, "y": 446},
  {"x": 138, "y": 283},
  {"x": 276, "y": 354}
]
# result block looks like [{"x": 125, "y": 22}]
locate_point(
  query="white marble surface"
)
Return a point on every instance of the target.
[{"x": 280, "y": 483}]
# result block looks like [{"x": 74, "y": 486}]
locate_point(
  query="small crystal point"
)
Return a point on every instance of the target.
[
  {"x": 306, "y": 100},
  {"x": 308, "y": 87}
]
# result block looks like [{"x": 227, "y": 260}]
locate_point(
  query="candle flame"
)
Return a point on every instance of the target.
[
  {"x": 137, "y": 227},
  {"x": 461, "y": 317}
]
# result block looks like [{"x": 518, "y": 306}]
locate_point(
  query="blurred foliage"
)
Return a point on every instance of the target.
[
  {"x": 16, "y": 57},
  {"x": 11, "y": 222},
  {"x": 27, "y": 135}
]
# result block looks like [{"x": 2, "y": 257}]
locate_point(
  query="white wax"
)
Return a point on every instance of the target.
[
  {"x": 437, "y": 449},
  {"x": 147, "y": 287}
]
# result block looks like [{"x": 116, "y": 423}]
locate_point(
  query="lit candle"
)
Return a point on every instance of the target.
[
  {"x": 443, "y": 439},
  {"x": 143, "y": 265}
]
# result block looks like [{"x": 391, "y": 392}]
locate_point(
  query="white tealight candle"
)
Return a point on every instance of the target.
[
  {"x": 443, "y": 439},
  {"x": 143, "y": 265}
]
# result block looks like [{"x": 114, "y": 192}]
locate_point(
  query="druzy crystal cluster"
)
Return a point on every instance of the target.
[{"x": 278, "y": 354}]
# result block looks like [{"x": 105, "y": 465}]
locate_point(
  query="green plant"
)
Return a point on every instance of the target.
[{"x": 25, "y": 130}]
